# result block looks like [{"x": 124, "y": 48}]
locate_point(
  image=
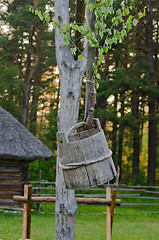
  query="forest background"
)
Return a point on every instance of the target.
[{"x": 127, "y": 101}]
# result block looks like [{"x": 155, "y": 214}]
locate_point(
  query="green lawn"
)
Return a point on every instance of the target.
[{"x": 130, "y": 223}]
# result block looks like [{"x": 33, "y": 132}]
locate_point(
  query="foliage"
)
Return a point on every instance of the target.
[{"x": 121, "y": 23}]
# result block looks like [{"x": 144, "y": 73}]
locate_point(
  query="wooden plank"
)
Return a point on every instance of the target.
[
  {"x": 138, "y": 204},
  {"x": 10, "y": 174},
  {"x": 103, "y": 195},
  {"x": 7, "y": 202},
  {"x": 11, "y": 186},
  {"x": 9, "y": 170},
  {"x": 98, "y": 201},
  {"x": 10, "y": 177},
  {"x": 45, "y": 183},
  {"x": 44, "y": 188},
  {"x": 9, "y": 194},
  {"x": 145, "y": 187},
  {"x": 137, "y": 190},
  {"x": 11, "y": 205},
  {"x": 9, "y": 180},
  {"x": 43, "y": 195},
  {"x": 9, "y": 166},
  {"x": 15, "y": 207}
]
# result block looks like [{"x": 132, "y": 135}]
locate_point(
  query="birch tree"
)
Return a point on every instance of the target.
[{"x": 71, "y": 74}]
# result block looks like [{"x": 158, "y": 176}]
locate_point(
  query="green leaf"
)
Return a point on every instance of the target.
[
  {"x": 98, "y": 75},
  {"x": 123, "y": 32},
  {"x": 97, "y": 85},
  {"x": 105, "y": 49},
  {"x": 127, "y": 11},
  {"x": 144, "y": 12},
  {"x": 47, "y": 18},
  {"x": 80, "y": 57},
  {"x": 73, "y": 50},
  {"x": 118, "y": 12},
  {"x": 40, "y": 16},
  {"x": 140, "y": 15},
  {"x": 75, "y": 27},
  {"x": 95, "y": 69},
  {"x": 66, "y": 41},
  {"x": 135, "y": 22}
]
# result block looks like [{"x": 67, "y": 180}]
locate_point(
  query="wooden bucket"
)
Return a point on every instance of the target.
[{"x": 85, "y": 157}]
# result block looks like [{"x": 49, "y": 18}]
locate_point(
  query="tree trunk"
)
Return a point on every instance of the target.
[
  {"x": 135, "y": 110},
  {"x": 120, "y": 136},
  {"x": 26, "y": 103},
  {"x": 34, "y": 102},
  {"x": 30, "y": 73},
  {"x": 27, "y": 90},
  {"x": 115, "y": 128},
  {"x": 152, "y": 124},
  {"x": 115, "y": 123},
  {"x": 71, "y": 74},
  {"x": 136, "y": 135},
  {"x": 80, "y": 18}
]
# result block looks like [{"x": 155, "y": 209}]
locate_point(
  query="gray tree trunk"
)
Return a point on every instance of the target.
[{"x": 71, "y": 74}]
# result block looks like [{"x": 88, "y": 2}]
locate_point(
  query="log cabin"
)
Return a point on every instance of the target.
[{"x": 18, "y": 148}]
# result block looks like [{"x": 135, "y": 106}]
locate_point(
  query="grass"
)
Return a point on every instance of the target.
[{"x": 139, "y": 223}]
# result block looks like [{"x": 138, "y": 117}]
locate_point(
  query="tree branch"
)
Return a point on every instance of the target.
[{"x": 17, "y": 62}]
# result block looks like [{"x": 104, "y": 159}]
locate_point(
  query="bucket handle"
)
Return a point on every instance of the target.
[{"x": 82, "y": 124}]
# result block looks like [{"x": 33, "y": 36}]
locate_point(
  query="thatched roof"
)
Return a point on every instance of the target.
[{"x": 17, "y": 143}]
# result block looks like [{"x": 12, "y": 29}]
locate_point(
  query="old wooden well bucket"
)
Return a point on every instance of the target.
[{"x": 85, "y": 157}]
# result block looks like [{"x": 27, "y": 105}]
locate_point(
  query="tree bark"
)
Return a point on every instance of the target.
[
  {"x": 71, "y": 74},
  {"x": 90, "y": 82},
  {"x": 80, "y": 18},
  {"x": 30, "y": 73},
  {"x": 120, "y": 136},
  {"x": 135, "y": 110},
  {"x": 34, "y": 103},
  {"x": 115, "y": 128},
  {"x": 152, "y": 124},
  {"x": 115, "y": 122},
  {"x": 136, "y": 136}
]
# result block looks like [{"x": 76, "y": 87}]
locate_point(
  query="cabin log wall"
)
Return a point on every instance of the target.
[{"x": 13, "y": 176}]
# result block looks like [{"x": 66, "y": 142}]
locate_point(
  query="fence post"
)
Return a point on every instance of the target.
[
  {"x": 27, "y": 212},
  {"x": 114, "y": 192},
  {"x": 39, "y": 191},
  {"x": 108, "y": 220}
]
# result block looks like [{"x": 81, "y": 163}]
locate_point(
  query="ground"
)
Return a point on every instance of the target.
[{"x": 139, "y": 223}]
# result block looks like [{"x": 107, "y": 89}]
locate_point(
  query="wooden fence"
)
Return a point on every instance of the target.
[
  {"x": 110, "y": 202},
  {"x": 45, "y": 192},
  {"x": 129, "y": 195}
]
